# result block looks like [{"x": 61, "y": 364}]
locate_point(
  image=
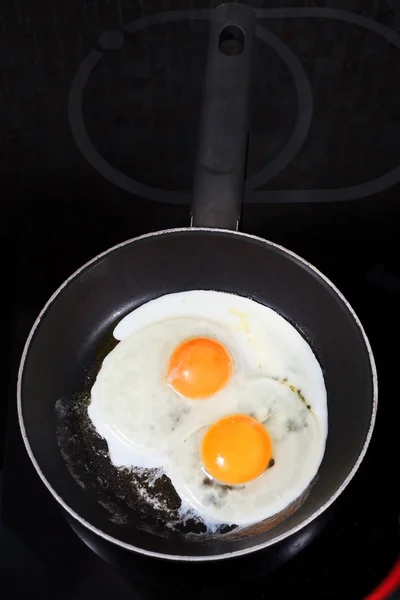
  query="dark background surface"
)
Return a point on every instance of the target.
[{"x": 140, "y": 107}]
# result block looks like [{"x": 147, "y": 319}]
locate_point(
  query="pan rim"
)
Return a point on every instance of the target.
[{"x": 225, "y": 555}]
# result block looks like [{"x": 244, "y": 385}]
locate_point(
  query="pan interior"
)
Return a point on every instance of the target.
[{"x": 74, "y": 334}]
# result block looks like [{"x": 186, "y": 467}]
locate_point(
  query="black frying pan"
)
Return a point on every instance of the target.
[{"x": 72, "y": 333}]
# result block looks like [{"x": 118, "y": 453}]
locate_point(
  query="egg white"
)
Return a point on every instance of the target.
[
  {"x": 276, "y": 377},
  {"x": 298, "y": 445}
]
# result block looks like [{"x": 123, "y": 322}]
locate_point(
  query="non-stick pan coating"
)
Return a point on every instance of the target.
[{"x": 61, "y": 355}]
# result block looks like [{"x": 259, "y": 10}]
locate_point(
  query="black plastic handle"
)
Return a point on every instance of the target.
[{"x": 222, "y": 149}]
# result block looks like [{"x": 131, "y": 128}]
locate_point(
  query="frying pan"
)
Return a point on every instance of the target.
[{"x": 72, "y": 333}]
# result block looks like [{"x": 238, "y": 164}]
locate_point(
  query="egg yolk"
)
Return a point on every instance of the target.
[
  {"x": 236, "y": 449},
  {"x": 199, "y": 367}
]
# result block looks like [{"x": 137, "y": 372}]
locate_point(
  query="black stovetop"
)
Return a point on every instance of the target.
[{"x": 100, "y": 104}]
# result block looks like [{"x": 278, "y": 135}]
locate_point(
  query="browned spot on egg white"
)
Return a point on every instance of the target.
[{"x": 296, "y": 391}]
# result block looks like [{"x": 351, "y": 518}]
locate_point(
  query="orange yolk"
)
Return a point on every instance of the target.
[
  {"x": 199, "y": 367},
  {"x": 236, "y": 449}
]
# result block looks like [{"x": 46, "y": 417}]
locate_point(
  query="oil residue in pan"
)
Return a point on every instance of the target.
[{"x": 144, "y": 499}]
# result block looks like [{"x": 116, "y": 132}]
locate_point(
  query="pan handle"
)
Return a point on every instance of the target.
[{"x": 223, "y": 137}]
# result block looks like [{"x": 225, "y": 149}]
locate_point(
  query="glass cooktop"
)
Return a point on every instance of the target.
[{"x": 100, "y": 105}]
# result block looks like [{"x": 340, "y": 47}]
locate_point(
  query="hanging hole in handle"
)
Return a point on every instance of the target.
[{"x": 231, "y": 40}]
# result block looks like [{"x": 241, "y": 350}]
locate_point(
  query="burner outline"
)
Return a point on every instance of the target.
[{"x": 112, "y": 40}]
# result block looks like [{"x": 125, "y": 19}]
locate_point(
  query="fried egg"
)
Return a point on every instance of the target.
[{"x": 221, "y": 394}]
